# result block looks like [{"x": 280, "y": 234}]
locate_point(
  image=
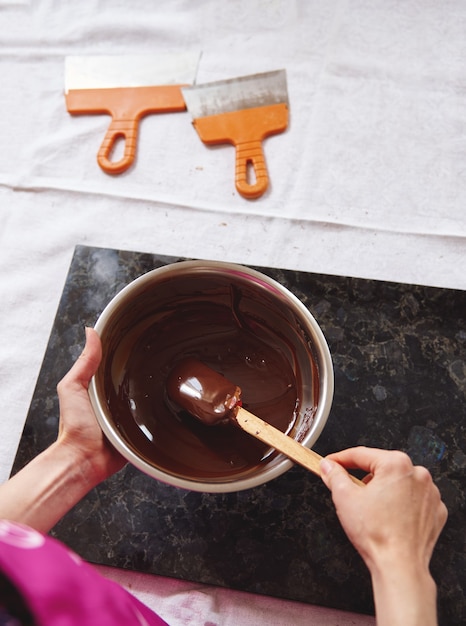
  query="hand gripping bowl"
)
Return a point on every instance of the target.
[{"x": 242, "y": 324}]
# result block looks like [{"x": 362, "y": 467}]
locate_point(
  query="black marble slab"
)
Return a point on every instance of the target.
[{"x": 399, "y": 353}]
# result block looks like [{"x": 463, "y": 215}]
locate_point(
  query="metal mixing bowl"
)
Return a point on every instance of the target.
[{"x": 151, "y": 299}]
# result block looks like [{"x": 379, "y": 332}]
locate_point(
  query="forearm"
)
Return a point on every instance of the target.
[
  {"x": 47, "y": 488},
  {"x": 405, "y": 595}
]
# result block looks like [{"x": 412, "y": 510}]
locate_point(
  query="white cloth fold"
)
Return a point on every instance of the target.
[{"x": 376, "y": 134}]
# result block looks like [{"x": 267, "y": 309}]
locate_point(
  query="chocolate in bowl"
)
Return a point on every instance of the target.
[{"x": 240, "y": 323}]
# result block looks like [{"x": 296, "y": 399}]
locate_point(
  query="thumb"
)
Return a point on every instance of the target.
[
  {"x": 86, "y": 365},
  {"x": 89, "y": 361},
  {"x": 334, "y": 475}
]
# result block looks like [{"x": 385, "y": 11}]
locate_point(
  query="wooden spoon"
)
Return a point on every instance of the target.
[{"x": 213, "y": 399}]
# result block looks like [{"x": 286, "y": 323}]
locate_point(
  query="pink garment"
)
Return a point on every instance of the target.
[{"x": 60, "y": 588}]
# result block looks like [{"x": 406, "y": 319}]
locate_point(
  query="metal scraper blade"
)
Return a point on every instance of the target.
[
  {"x": 113, "y": 71},
  {"x": 245, "y": 92}
]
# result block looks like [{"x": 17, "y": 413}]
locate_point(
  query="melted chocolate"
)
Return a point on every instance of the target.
[{"x": 239, "y": 345}]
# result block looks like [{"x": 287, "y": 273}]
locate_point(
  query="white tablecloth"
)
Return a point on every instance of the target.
[{"x": 368, "y": 180}]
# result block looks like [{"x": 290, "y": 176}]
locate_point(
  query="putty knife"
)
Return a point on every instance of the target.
[
  {"x": 127, "y": 88},
  {"x": 242, "y": 111}
]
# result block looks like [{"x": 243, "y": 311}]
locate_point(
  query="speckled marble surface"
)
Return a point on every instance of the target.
[{"x": 399, "y": 353}]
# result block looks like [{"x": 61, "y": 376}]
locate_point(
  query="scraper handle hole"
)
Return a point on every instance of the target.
[
  {"x": 118, "y": 148},
  {"x": 251, "y": 172}
]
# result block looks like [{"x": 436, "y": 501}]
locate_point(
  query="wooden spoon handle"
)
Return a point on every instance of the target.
[{"x": 273, "y": 437}]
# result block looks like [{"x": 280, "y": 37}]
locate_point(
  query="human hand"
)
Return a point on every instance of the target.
[
  {"x": 56, "y": 479},
  {"x": 398, "y": 512},
  {"x": 79, "y": 429},
  {"x": 394, "y": 522}
]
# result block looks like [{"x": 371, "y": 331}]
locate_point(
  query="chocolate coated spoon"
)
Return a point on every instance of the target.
[{"x": 212, "y": 398}]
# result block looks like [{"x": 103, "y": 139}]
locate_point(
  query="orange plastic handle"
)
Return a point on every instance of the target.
[
  {"x": 126, "y": 105},
  {"x": 127, "y": 130},
  {"x": 250, "y": 156},
  {"x": 246, "y": 129}
]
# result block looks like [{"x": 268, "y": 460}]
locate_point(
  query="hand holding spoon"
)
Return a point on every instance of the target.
[{"x": 213, "y": 399}]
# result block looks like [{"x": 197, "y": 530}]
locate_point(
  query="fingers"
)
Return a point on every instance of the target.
[
  {"x": 372, "y": 460},
  {"x": 333, "y": 472},
  {"x": 435, "y": 505},
  {"x": 335, "y": 476},
  {"x": 388, "y": 465},
  {"x": 91, "y": 356},
  {"x": 86, "y": 366}
]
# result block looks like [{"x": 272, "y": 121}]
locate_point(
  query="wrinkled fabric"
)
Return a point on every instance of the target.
[
  {"x": 60, "y": 589},
  {"x": 376, "y": 93}
]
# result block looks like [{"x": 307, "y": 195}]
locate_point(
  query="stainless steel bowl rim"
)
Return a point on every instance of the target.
[{"x": 320, "y": 346}]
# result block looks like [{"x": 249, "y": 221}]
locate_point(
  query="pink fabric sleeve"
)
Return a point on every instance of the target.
[{"x": 60, "y": 588}]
